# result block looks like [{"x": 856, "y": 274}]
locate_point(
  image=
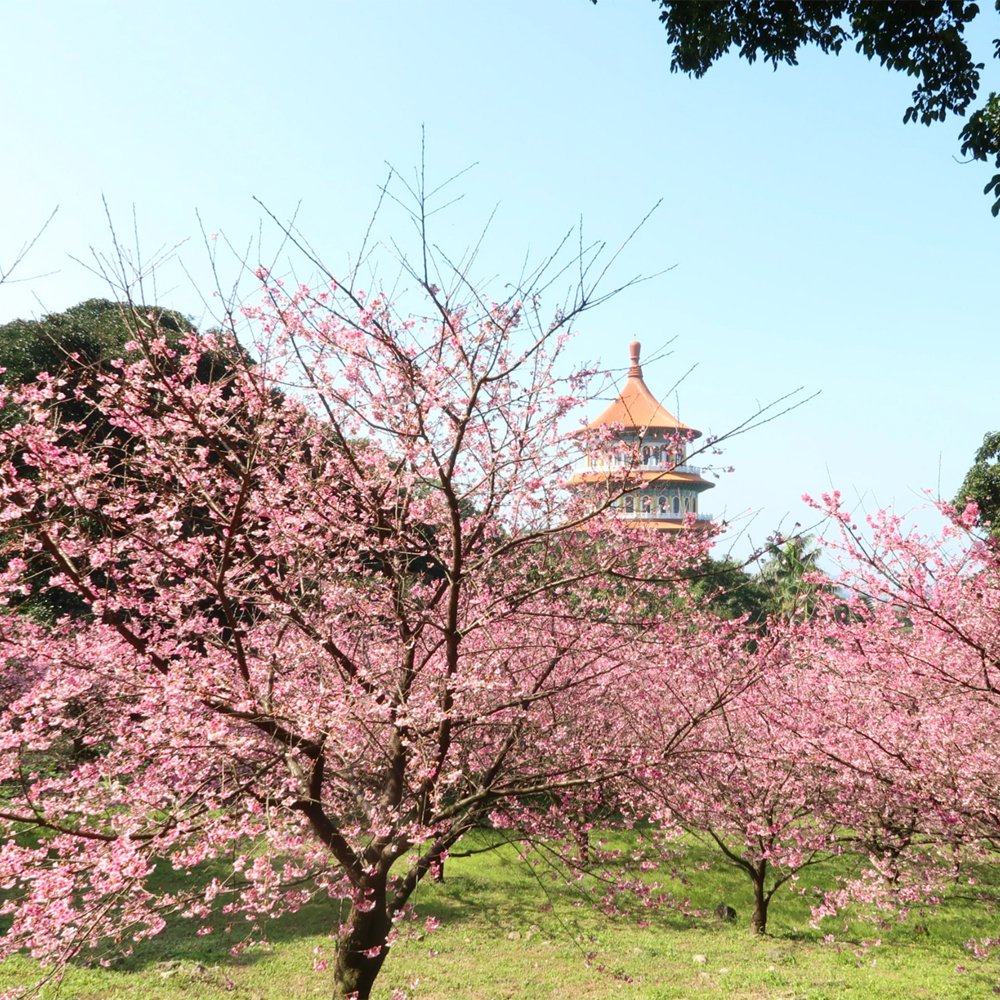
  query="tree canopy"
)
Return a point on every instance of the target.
[
  {"x": 982, "y": 482},
  {"x": 925, "y": 40},
  {"x": 94, "y": 331},
  {"x": 785, "y": 585}
]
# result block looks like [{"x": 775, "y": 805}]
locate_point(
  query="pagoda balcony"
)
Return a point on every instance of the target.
[
  {"x": 688, "y": 470},
  {"x": 656, "y": 515}
]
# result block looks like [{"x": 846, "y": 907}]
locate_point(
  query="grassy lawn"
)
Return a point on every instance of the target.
[{"x": 502, "y": 935}]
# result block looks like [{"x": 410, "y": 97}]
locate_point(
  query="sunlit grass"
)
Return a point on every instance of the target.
[{"x": 505, "y": 935}]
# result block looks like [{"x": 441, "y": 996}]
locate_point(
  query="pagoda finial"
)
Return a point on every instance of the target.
[{"x": 633, "y": 353}]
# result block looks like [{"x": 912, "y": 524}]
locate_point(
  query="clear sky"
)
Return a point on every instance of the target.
[{"x": 817, "y": 240}]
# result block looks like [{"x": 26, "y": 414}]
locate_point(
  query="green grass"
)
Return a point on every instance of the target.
[{"x": 503, "y": 936}]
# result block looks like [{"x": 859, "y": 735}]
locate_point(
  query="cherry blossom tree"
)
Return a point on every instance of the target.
[
  {"x": 871, "y": 727},
  {"x": 747, "y": 783},
  {"x": 907, "y": 707},
  {"x": 339, "y": 609}
]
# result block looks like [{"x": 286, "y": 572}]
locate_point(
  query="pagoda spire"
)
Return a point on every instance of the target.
[
  {"x": 637, "y": 407},
  {"x": 635, "y": 370}
]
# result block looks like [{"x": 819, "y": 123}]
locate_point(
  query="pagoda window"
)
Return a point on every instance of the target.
[
  {"x": 646, "y": 506},
  {"x": 646, "y": 455},
  {"x": 677, "y": 504},
  {"x": 662, "y": 503},
  {"x": 629, "y": 504}
]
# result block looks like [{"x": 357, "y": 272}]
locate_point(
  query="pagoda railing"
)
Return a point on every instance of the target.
[
  {"x": 690, "y": 470},
  {"x": 656, "y": 515}
]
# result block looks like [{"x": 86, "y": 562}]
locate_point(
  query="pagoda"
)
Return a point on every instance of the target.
[{"x": 652, "y": 456}]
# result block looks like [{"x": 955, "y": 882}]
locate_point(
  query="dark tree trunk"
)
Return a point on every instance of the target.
[
  {"x": 367, "y": 930},
  {"x": 355, "y": 972},
  {"x": 758, "y": 921}
]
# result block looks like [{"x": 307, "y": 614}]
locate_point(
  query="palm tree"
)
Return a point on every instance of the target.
[{"x": 788, "y": 575}]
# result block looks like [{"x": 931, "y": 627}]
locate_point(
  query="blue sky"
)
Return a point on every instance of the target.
[{"x": 817, "y": 240}]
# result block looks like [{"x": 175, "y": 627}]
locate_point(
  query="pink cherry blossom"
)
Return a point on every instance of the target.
[{"x": 340, "y": 609}]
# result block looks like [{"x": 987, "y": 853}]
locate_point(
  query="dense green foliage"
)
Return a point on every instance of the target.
[
  {"x": 788, "y": 577},
  {"x": 73, "y": 344},
  {"x": 94, "y": 331},
  {"x": 925, "y": 40},
  {"x": 784, "y": 585},
  {"x": 982, "y": 482},
  {"x": 729, "y": 589}
]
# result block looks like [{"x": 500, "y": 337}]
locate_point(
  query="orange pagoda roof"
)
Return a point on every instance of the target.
[{"x": 637, "y": 407}]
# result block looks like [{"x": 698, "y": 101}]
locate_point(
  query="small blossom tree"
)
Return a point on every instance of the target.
[
  {"x": 748, "y": 784},
  {"x": 870, "y": 728},
  {"x": 906, "y": 707}
]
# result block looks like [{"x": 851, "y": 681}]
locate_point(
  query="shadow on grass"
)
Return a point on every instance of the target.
[{"x": 494, "y": 894}]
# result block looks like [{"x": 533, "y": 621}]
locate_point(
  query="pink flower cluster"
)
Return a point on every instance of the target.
[{"x": 339, "y": 608}]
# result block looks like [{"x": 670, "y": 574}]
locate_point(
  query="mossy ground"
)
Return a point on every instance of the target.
[{"x": 506, "y": 934}]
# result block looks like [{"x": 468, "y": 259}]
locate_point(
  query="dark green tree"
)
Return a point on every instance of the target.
[
  {"x": 79, "y": 341},
  {"x": 729, "y": 590},
  {"x": 788, "y": 577},
  {"x": 91, "y": 333},
  {"x": 785, "y": 584},
  {"x": 982, "y": 483},
  {"x": 74, "y": 344},
  {"x": 923, "y": 39}
]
